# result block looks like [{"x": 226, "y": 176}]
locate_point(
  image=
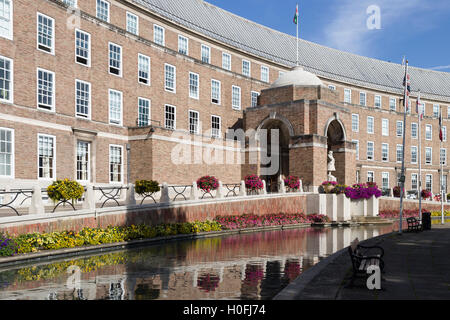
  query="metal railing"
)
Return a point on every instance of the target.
[{"x": 110, "y": 194}]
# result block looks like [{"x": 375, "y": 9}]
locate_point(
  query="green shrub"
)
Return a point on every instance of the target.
[{"x": 146, "y": 186}]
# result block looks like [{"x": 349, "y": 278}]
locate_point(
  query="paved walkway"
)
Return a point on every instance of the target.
[{"x": 417, "y": 267}]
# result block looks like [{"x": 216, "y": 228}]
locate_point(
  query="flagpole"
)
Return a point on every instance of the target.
[
  {"x": 419, "y": 113},
  {"x": 297, "y": 31},
  {"x": 402, "y": 175},
  {"x": 442, "y": 169}
]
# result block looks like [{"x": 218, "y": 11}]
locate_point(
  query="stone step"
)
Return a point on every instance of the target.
[{"x": 361, "y": 219}]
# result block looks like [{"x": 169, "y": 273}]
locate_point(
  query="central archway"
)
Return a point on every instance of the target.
[{"x": 275, "y": 150}]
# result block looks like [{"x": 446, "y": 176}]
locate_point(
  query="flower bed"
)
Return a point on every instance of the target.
[
  {"x": 253, "y": 182},
  {"x": 252, "y": 221},
  {"x": 292, "y": 182},
  {"x": 363, "y": 191},
  {"x": 207, "y": 183},
  {"x": 394, "y": 214},
  {"x": 318, "y": 218},
  {"x": 7, "y": 246},
  {"x": 426, "y": 194},
  {"x": 64, "y": 190},
  {"x": 34, "y": 242},
  {"x": 143, "y": 187}
]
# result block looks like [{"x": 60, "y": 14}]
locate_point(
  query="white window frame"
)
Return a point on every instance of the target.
[
  {"x": 149, "y": 111},
  {"x": 251, "y": 98},
  {"x": 384, "y": 175},
  {"x": 97, "y": 12},
  {"x": 52, "y": 48},
  {"x": 88, "y": 161},
  {"x": 180, "y": 37},
  {"x": 220, "y": 91},
  {"x": 174, "y": 88},
  {"x": 132, "y": 15},
  {"x": 194, "y": 95},
  {"x": 414, "y": 124},
  {"x": 174, "y": 116},
  {"x": 396, "y": 128},
  {"x": 414, "y": 181},
  {"x": 385, "y": 127},
  {"x": 226, "y": 57},
  {"x": 205, "y": 49},
  {"x": 77, "y": 114},
  {"x": 332, "y": 87},
  {"x": 392, "y": 105},
  {"x": 265, "y": 71},
  {"x": 52, "y": 106},
  {"x": 363, "y": 94},
  {"x": 11, "y": 81},
  {"x": 12, "y": 154},
  {"x": 88, "y": 64},
  {"x": 357, "y": 122},
  {"x": 348, "y": 92},
  {"x": 109, "y": 59},
  {"x": 414, "y": 153},
  {"x": 431, "y": 155},
  {"x": 445, "y": 156},
  {"x": 109, "y": 107},
  {"x": 370, "y": 173},
  {"x": 53, "y": 160},
  {"x": 163, "y": 30},
  {"x": 196, "y": 126},
  {"x": 375, "y": 101},
  {"x": 370, "y": 121},
  {"x": 121, "y": 163},
  {"x": 387, "y": 152},
  {"x": 373, "y": 150},
  {"x": 431, "y": 182},
  {"x": 429, "y": 130},
  {"x": 444, "y": 133},
  {"x": 75, "y": 4},
  {"x": 219, "y": 135},
  {"x": 10, "y": 35},
  {"x": 396, "y": 152},
  {"x": 140, "y": 55},
  {"x": 249, "y": 68},
  {"x": 436, "y": 107},
  {"x": 233, "y": 106}
]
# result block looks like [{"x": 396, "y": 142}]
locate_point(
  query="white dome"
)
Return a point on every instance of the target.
[{"x": 297, "y": 77}]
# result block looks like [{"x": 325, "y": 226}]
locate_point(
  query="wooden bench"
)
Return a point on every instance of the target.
[
  {"x": 414, "y": 225},
  {"x": 364, "y": 256}
]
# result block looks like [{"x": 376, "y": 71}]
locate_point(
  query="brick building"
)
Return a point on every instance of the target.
[{"x": 113, "y": 91}]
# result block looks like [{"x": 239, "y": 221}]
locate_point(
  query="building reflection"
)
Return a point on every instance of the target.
[{"x": 247, "y": 266}]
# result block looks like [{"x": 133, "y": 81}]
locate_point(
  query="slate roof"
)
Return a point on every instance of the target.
[{"x": 279, "y": 47}]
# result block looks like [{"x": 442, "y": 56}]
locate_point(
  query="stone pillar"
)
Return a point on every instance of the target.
[
  {"x": 282, "y": 186},
  {"x": 264, "y": 190},
  {"x": 194, "y": 192},
  {"x": 89, "y": 198},
  {"x": 316, "y": 203},
  {"x": 343, "y": 208},
  {"x": 164, "y": 193},
  {"x": 372, "y": 207},
  {"x": 130, "y": 199},
  {"x": 242, "y": 189},
  {"x": 331, "y": 207},
  {"x": 220, "y": 192},
  {"x": 37, "y": 205}
]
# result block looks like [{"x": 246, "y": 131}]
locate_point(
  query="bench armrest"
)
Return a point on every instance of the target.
[{"x": 373, "y": 247}]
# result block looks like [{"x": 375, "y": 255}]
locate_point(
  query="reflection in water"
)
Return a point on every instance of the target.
[{"x": 246, "y": 266}]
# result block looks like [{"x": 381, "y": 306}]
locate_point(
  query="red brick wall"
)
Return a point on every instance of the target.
[
  {"x": 154, "y": 216},
  {"x": 394, "y": 204}
]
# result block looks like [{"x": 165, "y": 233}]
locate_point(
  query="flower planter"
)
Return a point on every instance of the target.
[{"x": 358, "y": 208}]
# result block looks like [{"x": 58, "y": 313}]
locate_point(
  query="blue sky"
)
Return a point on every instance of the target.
[{"x": 418, "y": 29}]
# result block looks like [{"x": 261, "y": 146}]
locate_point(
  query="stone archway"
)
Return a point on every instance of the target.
[
  {"x": 336, "y": 137},
  {"x": 278, "y": 151}
]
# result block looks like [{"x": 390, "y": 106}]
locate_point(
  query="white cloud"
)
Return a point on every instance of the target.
[{"x": 348, "y": 31}]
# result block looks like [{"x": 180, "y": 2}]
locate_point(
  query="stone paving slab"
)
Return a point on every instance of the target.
[{"x": 417, "y": 266}]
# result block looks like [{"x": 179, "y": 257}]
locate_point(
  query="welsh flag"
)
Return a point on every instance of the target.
[{"x": 296, "y": 15}]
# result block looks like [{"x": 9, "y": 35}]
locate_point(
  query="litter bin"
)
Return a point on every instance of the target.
[{"x": 426, "y": 220}]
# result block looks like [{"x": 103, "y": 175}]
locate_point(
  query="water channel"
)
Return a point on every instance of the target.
[{"x": 252, "y": 266}]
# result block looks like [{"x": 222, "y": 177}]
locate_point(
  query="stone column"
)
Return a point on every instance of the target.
[
  {"x": 242, "y": 189},
  {"x": 194, "y": 192},
  {"x": 89, "y": 198},
  {"x": 130, "y": 199},
  {"x": 37, "y": 205},
  {"x": 164, "y": 193}
]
